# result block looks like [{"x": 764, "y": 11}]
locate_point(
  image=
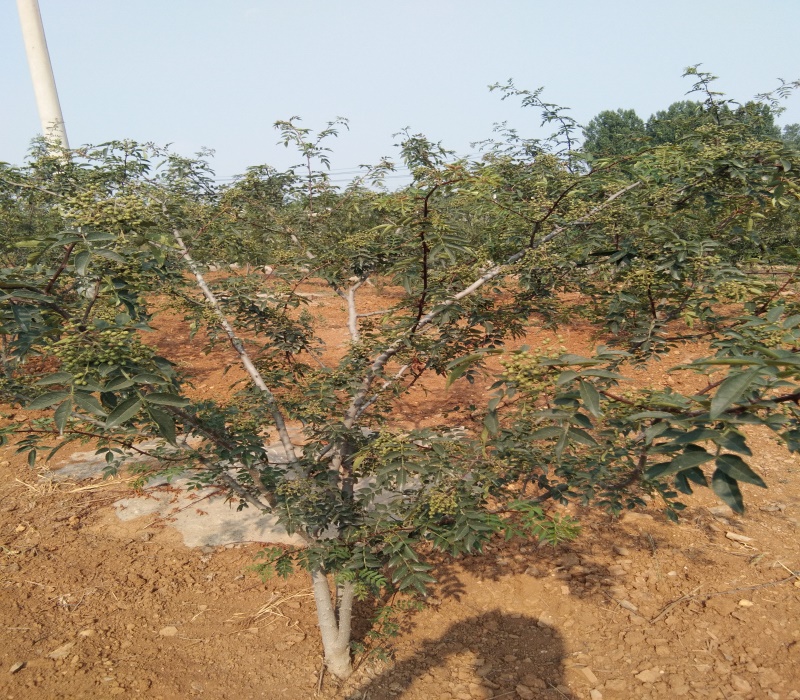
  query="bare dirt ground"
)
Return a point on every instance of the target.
[{"x": 636, "y": 607}]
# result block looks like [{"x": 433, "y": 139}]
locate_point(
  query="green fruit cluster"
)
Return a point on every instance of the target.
[
  {"x": 442, "y": 502},
  {"x": 94, "y": 209},
  {"x": 527, "y": 373},
  {"x": 81, "y": 352}
]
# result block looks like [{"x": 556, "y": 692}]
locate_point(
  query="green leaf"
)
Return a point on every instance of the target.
[
  {"x": 775, "y": 313},
  {"x": 644, "y": 415},
  {"x": 692, "y": 456},
  {"x": 118, "y": 383},
  {"x": 57, "y": 378},
  {"x": 110, "y": 255},
  {"x": 571, "y": 359},
  {"x": 546, "y": 433},
  {"x": 731, "y": 390},
  {"x": 62, "y": 414},
  {"x": 682, "y": 483},
  {"x": 461, "y": 365},
  {"x": 165, "y": 423},
  {"x": 126, "y": 410},
  {"x": 601, "y": 373},
  {"x": 566, "y": 377},
  {"x": 82, "y": 261},
  {"x": 582, "y": 437},
  {"x": 734, "y": 442},
  {"x": 728, "y": 490},
  {"x": 166, "y": 399},
  {"x": 47, "y": 400},
  {"x": 736, "y": 468},
  {"x": 147, "y": 378},
  {"x": 99, "y": 236},
  {"x": 591, "y": 398},
  {"x": 89, "y": 403},
  {"x": 696, "y": 474},
  {"x": 696, "y": 436}
]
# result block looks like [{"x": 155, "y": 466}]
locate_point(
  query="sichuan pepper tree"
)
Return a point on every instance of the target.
[{"x": 647, "y": 246}]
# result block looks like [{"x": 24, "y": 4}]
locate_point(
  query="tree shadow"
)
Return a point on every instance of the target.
[{"x": 486, "y": 656}]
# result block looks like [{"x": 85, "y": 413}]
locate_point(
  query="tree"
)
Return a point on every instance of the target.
[
  {"x": 679, "y": 120},
  {"x": 791, "y": 135},
  {"x": 483, "y": 249},
  {"x": 614, "y": 133}
]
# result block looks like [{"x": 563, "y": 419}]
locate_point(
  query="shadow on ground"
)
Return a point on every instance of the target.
[{"x": 487, "y": 656}]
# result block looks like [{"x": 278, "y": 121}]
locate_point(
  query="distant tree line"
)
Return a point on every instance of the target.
[{"x": 622, "y": 132}]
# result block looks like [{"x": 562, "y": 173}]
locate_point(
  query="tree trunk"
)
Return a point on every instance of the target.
[{"x": 334, "y": 623}]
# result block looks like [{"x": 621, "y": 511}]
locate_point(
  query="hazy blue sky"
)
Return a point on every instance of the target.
[{"x": 219, "y": 73}]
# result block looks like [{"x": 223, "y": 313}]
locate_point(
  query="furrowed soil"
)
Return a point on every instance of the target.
[{"x": 635, "y": 607}]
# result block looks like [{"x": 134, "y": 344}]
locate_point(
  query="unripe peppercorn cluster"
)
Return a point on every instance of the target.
[
  {"x": 81, "y": 352},
  {"x": 525, "y": 370}
]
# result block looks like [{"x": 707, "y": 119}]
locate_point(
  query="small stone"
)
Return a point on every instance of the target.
[
  {"x": 622, "y": 551},
  {"x": 534, "y": 682},
  {"x": 586, "y": 671},
  {"x": 479, "y": 692},
  {"x": 651, "y": 675},
  {"x": 773, "y": 507},
  {"x": 721, "y": 511},
  {"x": 86, "y": 633},
  {"x": 740, "y": 684},
  {"x": 595, "y": 694},
  {"x": 736, "y": 537},
  {"x": 746, "y": 603},
  {"x": 627, "y": 605},
  {"x": 19, "y": 528},
  {"x": 616, "y": 685},
  {"x": 633, "y": 517},
  {"x": 168, "y": 631},
  {"x": 18, "y": 666},
  {"x": 569, "y": 560},
  {"x": 524, "y": 692},
  {"x": 545, "y": 620},
  {"x": 565, "y": 590},
  {"x": 62, "y": 652}
]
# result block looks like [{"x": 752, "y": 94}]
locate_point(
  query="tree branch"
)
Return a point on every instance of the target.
[
  {"x": 360, "y": 396},
  {"x": 238, "y": 346},
  {"x": 63, "y": 266}
]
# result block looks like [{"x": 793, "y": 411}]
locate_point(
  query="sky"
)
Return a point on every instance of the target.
[{"x": 219, "y": 73}]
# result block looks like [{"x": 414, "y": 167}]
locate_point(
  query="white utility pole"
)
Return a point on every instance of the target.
[{"x": 44, "y": 83}]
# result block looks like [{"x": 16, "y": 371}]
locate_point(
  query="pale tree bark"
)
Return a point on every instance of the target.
[
  {"x": 349, "y": 297},
  {"x": 238, "y": 346},
  {"x": 334, "y": 623}
]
